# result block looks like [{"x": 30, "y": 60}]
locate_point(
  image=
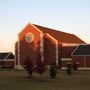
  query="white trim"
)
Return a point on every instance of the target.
[
  {"x": 7, "y": 60},
  {"x": 51, "y": 37},
  {"x": 80, "y": 68},
  {"x": 15, "y": 48},
  {"x": 18, "y": 66},
  {"x": 84, "y": 68},
  {"x": 41, "y": 42},
  {"x": 7, "y": 55},
  {"x": 28, "y": 25},
  {"x": 66, "y": 59},
  {"x": 42, "y": 47},
  {"x": 18, "y": 51},
  {"x": 81, "y": 55},
  {"x": 35, "y": 27},
  {"x": 57, "y": 53},
  {"x": 23, "y": 29},
  {"x": 75, "y": 50},
  {"x": 84, "y": 44},
  {"x": 69, "y": 44}
]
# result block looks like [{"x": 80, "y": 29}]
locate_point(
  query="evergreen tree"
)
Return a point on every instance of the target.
[
  {"x": 53, "y": 71},
  {"x": 69, "y": 69}
]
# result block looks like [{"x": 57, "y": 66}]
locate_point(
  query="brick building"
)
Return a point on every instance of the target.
[
  {"x": 52, "y": 45},
  {"x": 7, "y": 60},
  {"x": 81, "y": 55}
]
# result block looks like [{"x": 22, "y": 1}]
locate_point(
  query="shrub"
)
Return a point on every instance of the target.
[
  {"x": 69, "y": 69},
  {"x": 40, "y": 66},
  {"x": 28, "y": 65},
  {"x": 53, "y": 71},
  {"x": 75, "y": 66}
]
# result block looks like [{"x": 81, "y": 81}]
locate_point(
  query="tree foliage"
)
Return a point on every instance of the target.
[
  {"x": 28, "y": 65},
  {"x": 40, "y": 66},
  {"x": 69, "y": 69},
  {"x": 75, "y": 66},
  {"x": 53, "y": 71}
]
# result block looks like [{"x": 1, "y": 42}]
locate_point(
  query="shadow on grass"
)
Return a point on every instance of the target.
[{"x": 38, "y": 79}]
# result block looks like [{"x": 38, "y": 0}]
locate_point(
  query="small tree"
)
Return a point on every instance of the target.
[
  {"x": 53, "y": 71},
  {"x": 69, "y": 68},
  {"x": 28, "y": 65},
  {"x": 40, "y": 66},
  {"x": 75, "y": 66}
]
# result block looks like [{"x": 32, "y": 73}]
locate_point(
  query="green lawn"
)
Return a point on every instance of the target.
[{"x": 13, "y": 80}]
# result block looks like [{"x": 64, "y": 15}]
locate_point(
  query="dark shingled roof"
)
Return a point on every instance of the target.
[
  {"x": 61, "y": 36},
  {"x": 82, "y": 50},
  {"x": 9, "y": 55}
]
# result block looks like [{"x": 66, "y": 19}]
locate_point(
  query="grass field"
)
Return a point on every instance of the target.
[{"x": 13, "y": 80}]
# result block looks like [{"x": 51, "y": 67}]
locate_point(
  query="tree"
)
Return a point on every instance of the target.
[
  {"x": 53, "y": 71},
  {"x": 28, "y": 65},
  {"x": 40, "y": 66},
  {"x": 75, "y": 66},
  {"x": 69, "y": 68}
]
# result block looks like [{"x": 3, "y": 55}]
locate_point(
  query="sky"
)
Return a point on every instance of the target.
[{"x": 72, "y": 16}]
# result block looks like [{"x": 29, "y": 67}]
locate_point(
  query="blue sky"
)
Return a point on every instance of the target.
[{"x": 71, "y": 16}]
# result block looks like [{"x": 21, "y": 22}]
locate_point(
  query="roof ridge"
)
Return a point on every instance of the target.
[
  {"x": 61, "y": 36},
  {"x": 52, "y": 29}
]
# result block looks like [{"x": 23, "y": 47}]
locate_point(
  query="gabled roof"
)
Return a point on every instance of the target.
[
  {"x": 61, "y": 36},
  {"x": 82, "y": 50},
  {"x": 6, "y": 55},
  {"x": 50, "y": 37}
]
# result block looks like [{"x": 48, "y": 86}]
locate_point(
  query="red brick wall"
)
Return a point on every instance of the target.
[
  {"x": 16, "y": 53},
  {"x": 32, "y": 49},
  {"x": 7, "y": 64},
  {"x": 79, "y": 59},
  {"x": 64, "y": 63},
  {"x": 67, "y": 51},
  {"x": 87, "y": 61},
  {"x": 49, "y": 50}
]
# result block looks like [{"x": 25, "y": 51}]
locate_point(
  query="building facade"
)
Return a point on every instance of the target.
[
  {"x": 81, "y": 55},
  {"x": 51, "y": 45},
  {"x": 7, "y": 60}
]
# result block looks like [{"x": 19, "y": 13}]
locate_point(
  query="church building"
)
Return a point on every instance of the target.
[{"x": 53, "y": 46}]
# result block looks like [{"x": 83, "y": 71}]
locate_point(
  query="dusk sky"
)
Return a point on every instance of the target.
[{"x": 72, "y": 16}]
